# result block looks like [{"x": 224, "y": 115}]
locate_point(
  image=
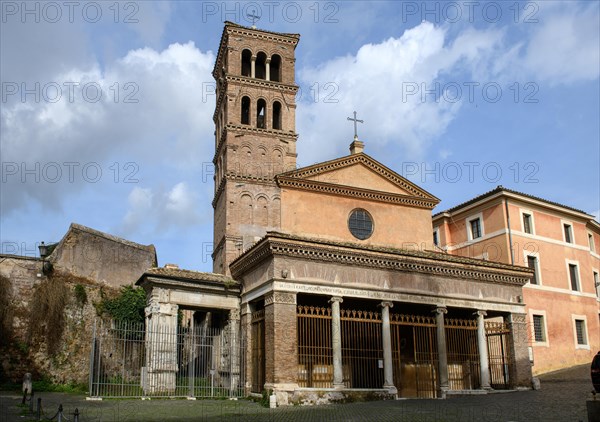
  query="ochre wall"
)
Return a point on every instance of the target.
[{"x": 325, "y": 216}]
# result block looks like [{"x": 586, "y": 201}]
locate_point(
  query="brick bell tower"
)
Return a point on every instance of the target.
[{"x": 255, "y": 136}]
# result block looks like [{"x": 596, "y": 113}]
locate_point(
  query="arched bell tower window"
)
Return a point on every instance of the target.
[
  {"x": 246, "y": 60},
  {"x": 261, "y": 112},
  {"x": 245, "y": 111},
  {"x": 277, "y": 115},
  {"x": 275, "y": 68},
  {"x": 261, "y": 66}
]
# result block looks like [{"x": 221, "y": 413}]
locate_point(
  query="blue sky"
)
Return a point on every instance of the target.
[{"x": 106, "y": 112}]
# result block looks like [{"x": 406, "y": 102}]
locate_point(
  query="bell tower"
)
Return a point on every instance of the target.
[{"x": 255, "y": 136}]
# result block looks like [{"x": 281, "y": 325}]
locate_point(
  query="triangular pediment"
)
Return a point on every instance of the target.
[{"x": 358, "y": 175}]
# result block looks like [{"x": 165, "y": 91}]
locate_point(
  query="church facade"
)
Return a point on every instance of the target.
[
  {"x": 343, "y": 290},
  {"x": 338, "y": 290}
]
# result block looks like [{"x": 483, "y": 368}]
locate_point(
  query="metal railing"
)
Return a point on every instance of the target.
[{"x": 132, "y": 360}]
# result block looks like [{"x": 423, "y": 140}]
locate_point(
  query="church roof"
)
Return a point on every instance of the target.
[
  {"x": 189, "y": 275},
  {"x": 307, "y": 178},
  {"x": 423, "y": 261}
]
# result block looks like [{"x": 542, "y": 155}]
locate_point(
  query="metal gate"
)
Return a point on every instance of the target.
[
  {"x": 132, "y": 360},
  {"x": 315, "y": 352},
  {"x": 498, "y": 339},
  {"x": 362, "y": 349},
  {"x": 414, "y": 355},
  {"x": 463, "y": 354},
  {"x": 258, "y": 351}
]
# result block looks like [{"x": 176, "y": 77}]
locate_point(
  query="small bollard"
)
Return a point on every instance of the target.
[
  {"x": 39, "y": 409},
  {"x": 24, "y": 396},
  {"x": 27, "y": 384},
  {"x": 31, "y": 402},
  {"x": 60, "y": 411},
  {"x": 76, "y": 415}
]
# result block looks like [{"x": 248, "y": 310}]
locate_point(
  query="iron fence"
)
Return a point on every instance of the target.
[{"x": 133, "y": 360}]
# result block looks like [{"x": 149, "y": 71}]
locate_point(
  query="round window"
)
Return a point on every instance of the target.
[{"x": 360, "y": 224}]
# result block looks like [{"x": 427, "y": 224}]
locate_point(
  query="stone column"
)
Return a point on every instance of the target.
[
  {"x": 388, "y": 371},
  {"x": 246, "y": 317},
  {"x": 484, "y": 363},
  {"x": 520, "y": 369},
  {"x": 158, "y": 377},
  {"x": 253, "y": 67},
  {"x": 234, "y": 352},
  {"x": 281, "y": 344},
  {"x": 440, "y": 327},
  {"x": 336, "y": 342},
  {"x": 268, "y": 69}
]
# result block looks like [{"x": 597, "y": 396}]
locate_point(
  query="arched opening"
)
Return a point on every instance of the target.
[
  {"x": 276, "y": 68},
  {"x": 261, "y": 66},
  {"x": 277, "y": 115},
  {"x": 245, "y": 111},
  {"x": 261, "y": 112},
  {"x": 246, "y": 59}
]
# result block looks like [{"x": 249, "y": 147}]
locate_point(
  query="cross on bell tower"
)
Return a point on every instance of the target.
[
  {"x": 255, "y": 135},
  {"x": 254, "y": 18}
]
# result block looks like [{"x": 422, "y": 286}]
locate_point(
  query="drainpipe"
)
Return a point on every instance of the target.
[{"x": 510, "y": 243}]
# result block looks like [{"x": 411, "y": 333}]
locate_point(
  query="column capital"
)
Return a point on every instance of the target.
[
  {"x": 387, "y": 304},
  {"x": 253, "y": 57},
  {"x": 480, "y": 313},
  {"x": 336, "y": 299},
  {"x": 280, "y": 297},
  {"x": 234, "y": 314},
  {"x": 268, "y": 60},
  {"x": 440, "y": 310}
]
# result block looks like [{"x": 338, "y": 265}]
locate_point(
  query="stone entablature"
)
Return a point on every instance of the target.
[
  {"x": 347, "y": 191},
  {"x": 381, "y": 258},
  {"x": 295, "y": 287}
]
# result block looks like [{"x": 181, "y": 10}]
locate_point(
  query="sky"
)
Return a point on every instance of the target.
[{"x": 106, "y": 109}]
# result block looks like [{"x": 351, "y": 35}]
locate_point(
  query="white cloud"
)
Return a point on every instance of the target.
[
  {"x": 564, "y": 45},
  {"x": 156, "y": 210},
  {"x": 151, "y": 111},
  {"x": 377, "y": 82}
]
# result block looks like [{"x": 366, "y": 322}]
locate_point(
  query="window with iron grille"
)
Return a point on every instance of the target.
[
  {"x": 436, "y": 241},
  {"x": 573, "y": 277},
  {"x": 591, "y": 242},
  {"x": 527, "y": 223},
  {"x": 596, "y": 284},
  {"x": 360, "y": 224},
  {"x": 532, "y": 263},
  {"x": 580, "y": 331},
  {"x": 539, "y": 331}
]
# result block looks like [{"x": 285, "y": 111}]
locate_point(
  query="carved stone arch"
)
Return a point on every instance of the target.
[
  {"x": 261, "y": 113},
  {"x": 245, "y": 110},
  {"x": 261, "y": 211},
  {"x": 277, "y": 115},
  {"x": 246, "y": 62},
  {"x": 275, "y": 212},
  {"x": 246, "y": 208},
  {"x": 261, "y": 65},
  {"x": 276, "y": 67},
  {"x": 277, "y": 155}
]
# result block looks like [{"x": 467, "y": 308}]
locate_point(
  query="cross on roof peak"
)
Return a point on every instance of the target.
[
  {"x": 355, "y": 120},
  {"x": 254, "y": 18}
]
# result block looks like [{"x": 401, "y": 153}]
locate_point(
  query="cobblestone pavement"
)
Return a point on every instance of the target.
[{"x": 562, "y": 398}]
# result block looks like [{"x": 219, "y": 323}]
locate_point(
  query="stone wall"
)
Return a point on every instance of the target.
[
  {"x": 102, "y": 258},
  {"x": 26, "y": 348}
]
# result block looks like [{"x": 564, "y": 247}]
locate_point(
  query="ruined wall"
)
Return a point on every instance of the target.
[
  {"x": 37, "y": 339},
  {"x": 100, "y": 257}
]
